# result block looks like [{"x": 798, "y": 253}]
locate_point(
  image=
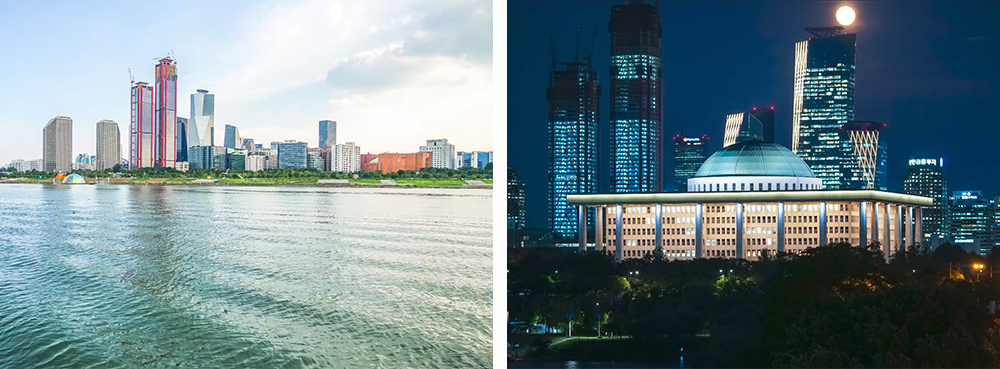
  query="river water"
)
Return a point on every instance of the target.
[{"x": 221, "y": 277}]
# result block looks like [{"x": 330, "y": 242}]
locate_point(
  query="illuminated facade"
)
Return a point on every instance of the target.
[
  {"x": 574, "y": 98},
  {"x": 635, "y": 89},
  {"x": 142, "y": 143},
  {"x": 770, "y": 202},
  {"x": 823, "y": 101},
  {"x": 867, "y": 169},
  {"x": 689, "y": 154},
  {"x": 515, "y": 200},
  {"x": 165, "y": 127},
  {"x": 201, "y": 126},
  {"x": 925, "y": 177},
  {"x": 970, "y": 217},
  {"x": 750, "y": 125}
]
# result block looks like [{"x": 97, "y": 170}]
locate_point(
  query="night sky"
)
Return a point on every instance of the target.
[{"x": 929, "y": 70}]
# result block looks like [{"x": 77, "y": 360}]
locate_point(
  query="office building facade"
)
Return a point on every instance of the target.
[
  {"x": 866, "y": 167},
  {"x": 444, "y": 153},
  {"x": 142, "y": 139},
  {"x": 292, "y": 155},
  {"x": 574, "y": 97},
  {"x": 201, "y": 125},
  {"x": 232, "y": 139},
  {"x": 515, "y": 200},
  {"x": 970, "y": 218},
  {"x": 57, "y": 145},
  {"x": 255, "y": 163},
  {"x": 182, "y": 143},
  {"x": 689, "y": 154},
  {"x": 636, "y": 91},
  {"x": 394, "y": 162},
  {"x": 925, "y": 177},
  {"x": 823, "y": 102},
  {"x": 475, "y": 159},
  {"x": 327, "y": 133},
  {"x": 165, "y": 128},
  {"x": 314, "y": 159},
  {"x": 756, "y": 124},
  {"x": 108, "y": 145},
  {"x": 207, "y": 157}
]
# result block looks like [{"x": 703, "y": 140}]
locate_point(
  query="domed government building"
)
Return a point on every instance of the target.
[{"x": 748, "y": 198}]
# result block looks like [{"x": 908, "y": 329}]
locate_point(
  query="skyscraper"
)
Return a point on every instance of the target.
[
  {"x": 57, "y": 145},
  {"x": 970, "y": 216},
  {"x": 689, "y": 154},
  {"x": 515, "y": 200},
  {"x": 248, "y": 144},
  {"x": 443, "y": 152},
  {"x": 201, "y": 127},
  {"x": 142, "y": 143},
  {"x": 823, "y": 101},
  {"x": 165, "y": 129},
  {"x": 574, "y": 99},
  {"x": 756, "y": 124},
  {"x": 292, "y": 154},
  {"x": 108, "y": 145},
  {"x": 635, "y": 85},
  {"x": 327, "y": 133},
  {"x": 182, "y": 145},
  {"x": 232, "y": 139},
  {"x": 345, "y": 157},
  {"x": 925, "y": 177},
  {"x": 866, "y": 166}
]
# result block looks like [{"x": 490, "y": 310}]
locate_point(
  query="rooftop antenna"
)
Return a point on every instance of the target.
[{"x": 576, "y": 58}]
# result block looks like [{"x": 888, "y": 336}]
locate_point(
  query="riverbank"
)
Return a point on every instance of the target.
[{"x": 275, "y": 182}]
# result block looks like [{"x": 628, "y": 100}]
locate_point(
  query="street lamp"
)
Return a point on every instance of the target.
[{"x": 599, "y": 318}]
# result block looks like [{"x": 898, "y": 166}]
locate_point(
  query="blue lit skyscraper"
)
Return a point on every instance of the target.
[
  {"x": 574, "y": 98},
  {"x": 635, "y": 116},
  {"x": 823, "y": 101}
]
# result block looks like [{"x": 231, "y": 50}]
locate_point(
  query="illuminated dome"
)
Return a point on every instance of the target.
[
  {"x": 74, "y": 179},
  {"x": 754, "y": 166},
  {"x": 754, "y": 158}
]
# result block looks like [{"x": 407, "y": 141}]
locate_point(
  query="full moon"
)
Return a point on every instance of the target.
[{"x": 845, "y": 15}]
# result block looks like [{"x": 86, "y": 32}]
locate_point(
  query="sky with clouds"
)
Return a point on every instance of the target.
[{"x": 393, "y": 74}]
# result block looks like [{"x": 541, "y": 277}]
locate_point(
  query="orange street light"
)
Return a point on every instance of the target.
[{"x": 978, "y": 266}]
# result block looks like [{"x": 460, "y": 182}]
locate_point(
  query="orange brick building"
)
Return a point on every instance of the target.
[{"x": 389, "y": 163}]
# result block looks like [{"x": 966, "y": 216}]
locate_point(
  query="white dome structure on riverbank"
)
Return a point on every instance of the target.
[{"x": 74, "y": 179}]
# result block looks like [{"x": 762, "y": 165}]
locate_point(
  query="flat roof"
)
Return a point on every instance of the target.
[{"x": 747, "y": 196}]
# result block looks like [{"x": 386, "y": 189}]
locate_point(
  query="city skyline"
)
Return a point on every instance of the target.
[
  {"x": 916, "y": 79},
  {"x": 391, "y": 67}
]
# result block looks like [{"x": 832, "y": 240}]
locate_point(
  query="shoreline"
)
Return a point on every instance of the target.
[{"x": 92, "y": 182}]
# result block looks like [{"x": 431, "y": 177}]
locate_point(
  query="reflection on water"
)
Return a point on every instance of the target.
[{"x": 149, "y": 276}]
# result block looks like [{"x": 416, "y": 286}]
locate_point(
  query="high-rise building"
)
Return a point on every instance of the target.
[
  {"x": 314, "y": 158},
  {"x": 142, "y": 141},
  {"x": 207, "y": 157},
  {"x": 255, "y": 162},
  {"x": 201, "y": 127},
  {"x": 233, "y": 139},
  {"x": 636, "y": 91},
  {"x": 823, "y": 101},
  {"x": 345, "y": 157},
  {"x": 108, "y": 145},
  {"x": 574, "y": 104},
  {"x": 57, "y": 145},
  {"x": 248, "y": 144},
  {"x": 925, "y": 177},
  {"x": 292, "y": 154},
  {"x": 165, "y": 128},
  {"x": 182, "y": 136},
  {"x": 444, "y": 153},
  {"x": 236, "y": 159},
  {"x": 866, "y": 167},
  {"x": 689, "y": 154},
  {"x": 756, "y": 124},
  {"x": 478, "y": 159},
  {"x": 970, "y": 216},
  {"x": 515, "y": 200},
  {"x": 327, "y": 133}
]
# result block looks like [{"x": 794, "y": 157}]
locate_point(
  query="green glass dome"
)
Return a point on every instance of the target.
[{"x": 754, "y": 158}]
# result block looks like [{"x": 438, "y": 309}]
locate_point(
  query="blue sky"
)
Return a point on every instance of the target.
[{"x": 391, "y": 73}]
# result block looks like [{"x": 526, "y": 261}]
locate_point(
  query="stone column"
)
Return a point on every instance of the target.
[
  {"x": 739, "y": 231},
  {"x": 918, "y": 224},
  {"x": 875, "y": 219},
  {"x": 910, "y": 240},
  {"x": 899, "y": 228},
  {"x": 698, "y": 239},
  {"x": 618, "y": 233},
  {"x": 583, "y": 228},
  {"x": 886, "y": 240},
  {"x": 659, "y": 229},
  {"x": 863, "y": 225},
  {"x": 822, "y": 224},
  {"x": 599, "y": 222},
  {"x": 781, "y": 226}
]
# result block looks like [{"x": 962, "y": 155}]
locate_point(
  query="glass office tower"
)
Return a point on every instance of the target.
[
  {"x": 866, "y": 167},
  {"x": 925, "y": 177},
  {"x": 635, "y": 88},
  {"x": 823, "y": 101},
  {"x": 574, "y": 98},
  {"x": 689, "y": 154}
]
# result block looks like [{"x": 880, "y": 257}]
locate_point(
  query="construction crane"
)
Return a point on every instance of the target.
[{"x": 130, "y": 77}]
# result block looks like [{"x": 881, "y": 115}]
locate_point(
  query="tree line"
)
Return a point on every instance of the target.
[
  {"x": 831, "y": 306},
  {"x": 119, "y": 171}
]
